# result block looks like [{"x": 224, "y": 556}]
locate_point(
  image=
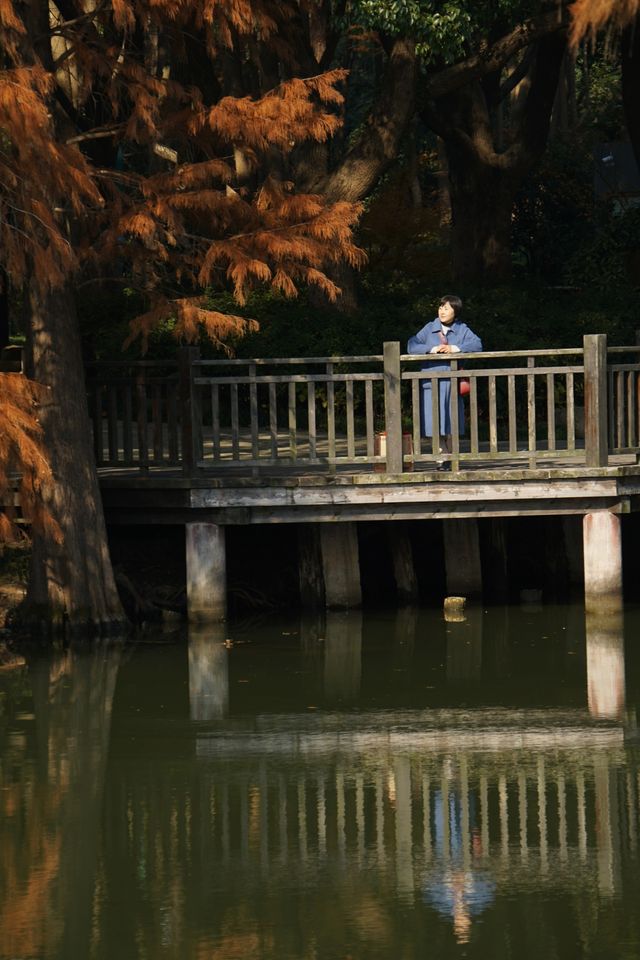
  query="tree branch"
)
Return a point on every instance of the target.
[
  {"x": 377, "y": 145},
  {"x": 495, "y": 56}
]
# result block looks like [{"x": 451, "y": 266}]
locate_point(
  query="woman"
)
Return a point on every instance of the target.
[{"x": 445, "y": 335}]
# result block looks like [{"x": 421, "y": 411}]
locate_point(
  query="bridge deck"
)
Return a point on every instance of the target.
[{"x": 165, "y": 496}]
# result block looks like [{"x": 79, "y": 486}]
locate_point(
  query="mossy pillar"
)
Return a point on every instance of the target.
[
  {"x": 206, "y": 572},
  {"x": 462, "y": 558},
  {"x": 602, "y": 562},
  {"x": 340, "y": 565}
]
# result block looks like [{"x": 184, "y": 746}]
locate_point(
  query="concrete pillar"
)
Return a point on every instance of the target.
[
  {"x": 602, "y": 561},
  {"x": 206, "y": 572},
  {"x": 340, "y": 565},
  {"x": 402, "y": 559},
  {"x": 312, "y": 593},
  {"x": 462, "y": 558}
]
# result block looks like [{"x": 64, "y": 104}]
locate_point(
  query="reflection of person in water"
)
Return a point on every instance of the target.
[{"x": 455, "y": 887}]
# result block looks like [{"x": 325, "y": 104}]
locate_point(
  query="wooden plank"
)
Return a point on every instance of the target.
[
  {"x": 190, "y": 411},
  {"x": 455, "y": 419},
  {"x": 331, "y": 411},
  {"x": 293, "y": 441},
  {"x": 551, "y": 412},
  {"x": 493, "y": 415},
  {"x": 97, "y": 424},
  {"x": 611, "y": 406},
  {"x": 511, "y": 403},
  {"x": 368, "y": 393},
  {"x": 156, "y": 408},
  {"x": 435, "y": 418},
  {"x": 415, "y": 417},
  {"x": 253, "y": 412},
  {"x": 571, "y": 413},
  {"x": 620, "y": 432},
  {"x": 127, "y": 425},
  {"x": 215, "y": 420},
  {"x": 531, "y": 412},
  {"x": 292, "y": 378},
  {"x": 393, "y": 406},
  {"x": 273, "y": 420},
  {"x": 595, "y": 400},
  {"x": 141, "y": 412},
  {"x": 632, "y": 436},
  {"x": 311, "y": 418},
  {"x": 444, "y": 491},
  {"x": 473, "y": 415},
  {"x": 172, "y": 422},
  {"x": 498, "y": 371},
  {"x": 351, "y": 443},
  {"x": 112, "y": 423},
  {"x": 235, "y": 423}
]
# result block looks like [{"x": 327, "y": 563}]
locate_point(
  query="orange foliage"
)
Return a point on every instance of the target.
[
  {"x": 23, "y": 466},
  {"x": 590, "y": 16},
  {"x": 198, "y": 224},
  {"x": 173, "y": 229}
]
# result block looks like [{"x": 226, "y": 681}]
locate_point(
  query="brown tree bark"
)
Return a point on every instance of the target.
[
  {"x": 484, "y": 174},
  {"x": 631, "y": 83},
  {"x": 377, "y": 146},
  {"x": 71, "y": 587}
]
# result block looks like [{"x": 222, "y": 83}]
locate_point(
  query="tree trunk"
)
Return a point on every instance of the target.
[
  {"x": 72, "y": 585},
  {"x": 483, "y": 179},
  {"x": 481, "y": 205},
  {"x": 631, "y": 83}
]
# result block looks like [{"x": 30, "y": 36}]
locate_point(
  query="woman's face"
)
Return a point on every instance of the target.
[{"x": 446, "y": 313}]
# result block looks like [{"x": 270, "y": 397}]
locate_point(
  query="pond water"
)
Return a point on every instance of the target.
[{"x": 388, "y": 786}]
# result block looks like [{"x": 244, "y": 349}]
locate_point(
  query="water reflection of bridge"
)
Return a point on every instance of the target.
[
  {"x": 214, "y": 822},
  {"x": 407, "y": 801}
]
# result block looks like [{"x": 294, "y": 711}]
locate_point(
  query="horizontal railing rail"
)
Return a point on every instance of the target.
[
  {"x": 299, "y": 414},
  {"x": 270, "y": 416},
  {"x": 516, "y": 409}
]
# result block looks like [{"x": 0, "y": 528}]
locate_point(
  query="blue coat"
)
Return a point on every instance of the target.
[{"x": 460, "y": 336}]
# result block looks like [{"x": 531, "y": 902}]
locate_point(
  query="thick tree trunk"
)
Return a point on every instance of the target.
[
  {"x": 631, "y": 83},
  {"x": 377, "y": 146},
  {"x": 481, "y": 205},
  {"x": 484, "y": 179},
  {"x": 71, "y": 585}
]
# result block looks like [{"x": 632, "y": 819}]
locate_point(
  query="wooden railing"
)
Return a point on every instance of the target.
[{"x": 364, "y": 413}]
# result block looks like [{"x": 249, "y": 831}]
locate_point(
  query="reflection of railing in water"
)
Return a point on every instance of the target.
[{"x": 510, "y": 814}]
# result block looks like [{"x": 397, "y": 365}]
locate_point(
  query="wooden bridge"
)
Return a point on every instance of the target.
[{"x": 212, "y": 443}]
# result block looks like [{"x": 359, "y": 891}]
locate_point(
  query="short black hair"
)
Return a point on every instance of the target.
[{"x": 454, "y": 301}]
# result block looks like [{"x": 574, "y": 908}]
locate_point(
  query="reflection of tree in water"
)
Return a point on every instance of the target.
[
  {"x": 457, "y": 888},
  {"x": 49, "y": 811}
]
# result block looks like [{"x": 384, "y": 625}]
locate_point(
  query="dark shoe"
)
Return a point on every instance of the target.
[{"x": 444, "y": 467}]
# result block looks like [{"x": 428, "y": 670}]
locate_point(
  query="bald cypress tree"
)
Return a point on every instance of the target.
[{"x": 200, "y": 203}]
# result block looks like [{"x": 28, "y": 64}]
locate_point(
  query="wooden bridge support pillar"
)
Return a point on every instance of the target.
[
  {"x": 462, "y": 558},
  {"x": 206, "y": 572},
  {"x": 312, "y": 593},
  {"x": 340, "y": 565},
  {"x": 602, "y": 562},
  {"x": 402, "y": 559}
]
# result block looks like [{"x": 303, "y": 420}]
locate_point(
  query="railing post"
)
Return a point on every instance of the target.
[
  {"x": 190, "y": 411},
  {"x": 393, "y": 406},
  {"x": 595, "y": 400}
]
